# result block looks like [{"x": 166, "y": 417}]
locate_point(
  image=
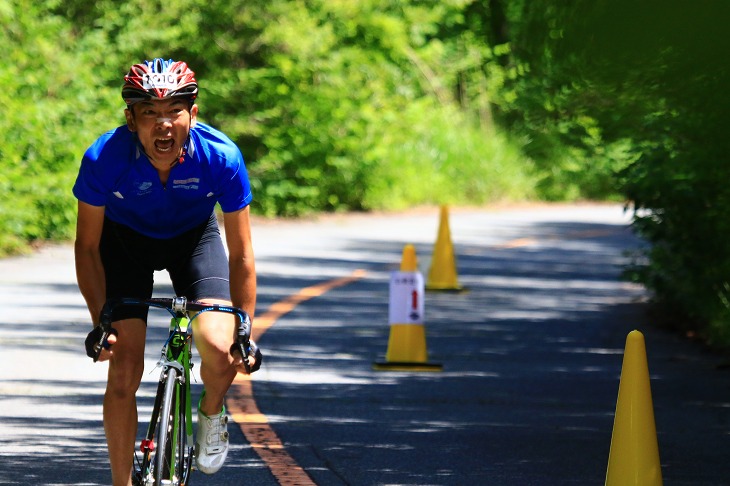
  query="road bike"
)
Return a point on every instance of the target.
[{"x": 166, "y": 454}]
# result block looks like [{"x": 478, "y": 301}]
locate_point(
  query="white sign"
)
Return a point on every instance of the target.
[{"x": 406, "y": 304}]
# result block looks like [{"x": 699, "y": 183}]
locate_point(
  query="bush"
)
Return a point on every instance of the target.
[{"x": 433, "y": 154}]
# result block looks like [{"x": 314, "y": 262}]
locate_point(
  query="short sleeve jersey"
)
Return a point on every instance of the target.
[{"x": 117, "y": 174}]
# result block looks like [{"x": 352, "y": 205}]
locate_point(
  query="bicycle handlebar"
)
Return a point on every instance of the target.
[{"x": 178, "y": 307}]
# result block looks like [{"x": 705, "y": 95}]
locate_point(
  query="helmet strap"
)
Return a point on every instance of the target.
[{"x": 183, "y": 153}]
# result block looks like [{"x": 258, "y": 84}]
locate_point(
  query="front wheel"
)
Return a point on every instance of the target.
[{"x": 168, "y": 460}]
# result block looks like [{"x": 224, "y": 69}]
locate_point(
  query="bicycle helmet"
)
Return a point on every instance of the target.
[{"x": 159, "y": 79}]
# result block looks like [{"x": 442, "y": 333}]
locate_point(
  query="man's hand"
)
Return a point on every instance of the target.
[
  {"x": 92, "y": 339},
  {"x": 254, "y": 358}
]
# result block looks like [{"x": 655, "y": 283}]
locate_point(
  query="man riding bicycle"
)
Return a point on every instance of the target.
[{"x": 146, "y": 196}]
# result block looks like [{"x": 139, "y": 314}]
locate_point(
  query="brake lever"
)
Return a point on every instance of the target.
[
  {"x": 244, "y": 352},
  {"x": 105, "y": 322},
  {"x": 102, "y": 344}
]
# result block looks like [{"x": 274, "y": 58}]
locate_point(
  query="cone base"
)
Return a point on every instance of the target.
[
  {"x": 445, "y": 288},
  {"x": 406, "y": 366}
]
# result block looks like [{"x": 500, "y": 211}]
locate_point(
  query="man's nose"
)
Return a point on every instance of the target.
[{"x": 164, "y": 121}]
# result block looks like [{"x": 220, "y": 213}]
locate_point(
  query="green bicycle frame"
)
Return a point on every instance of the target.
[
  {"x": 179, "y": 351},
  {"x": 176, "y": 358}
]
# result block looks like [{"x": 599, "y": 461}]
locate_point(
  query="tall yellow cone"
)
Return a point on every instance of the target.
[
  {"x": 407, "y": 341},
  {"x": 634, "y": 456},
  {"x": 442, "y": 274}
]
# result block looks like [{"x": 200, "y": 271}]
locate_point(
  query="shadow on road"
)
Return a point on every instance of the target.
[{"x": 532, "y": 356}]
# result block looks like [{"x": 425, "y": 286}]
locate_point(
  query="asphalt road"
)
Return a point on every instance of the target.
[{"x": 531, "y": 356}]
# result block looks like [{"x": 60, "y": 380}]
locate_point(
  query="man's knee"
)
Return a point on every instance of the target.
[
  {"x": 213, "y": 336},
  {"x": 124, "y": 378},
  {"x": 216, "y": 357},
  {"x": 126, "y": 365}
]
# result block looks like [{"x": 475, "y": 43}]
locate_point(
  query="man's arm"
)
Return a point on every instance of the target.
[
  {"x": 89, "y": 269},
  {"x": 241, "y": 263}
]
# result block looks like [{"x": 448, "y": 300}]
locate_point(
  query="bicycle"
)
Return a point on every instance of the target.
[{"x": 167, "y": 450}]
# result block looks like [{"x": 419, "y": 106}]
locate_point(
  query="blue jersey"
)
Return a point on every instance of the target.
[{"x": 116, "y": 173}]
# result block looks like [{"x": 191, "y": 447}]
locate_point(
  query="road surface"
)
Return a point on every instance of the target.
[{"x": 531, "y": 355}]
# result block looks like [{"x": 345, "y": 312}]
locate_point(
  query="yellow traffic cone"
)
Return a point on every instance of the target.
[
  {"x": 634, "y": 456},
  {"x": 407, "y": 341},
  {"x": 442, "y": 274}
]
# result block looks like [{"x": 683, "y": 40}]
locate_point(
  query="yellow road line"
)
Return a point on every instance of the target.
[
  {"x": 241, "y": 403},
  {"x": 518, "y": 243},
  {"x": 577, "y": 235}
]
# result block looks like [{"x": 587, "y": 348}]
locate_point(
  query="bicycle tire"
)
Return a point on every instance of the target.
[
  {"x": 184, "y": 442},
  {"x": 144, "y": 467},
  {"x": 166, "y": 432}
]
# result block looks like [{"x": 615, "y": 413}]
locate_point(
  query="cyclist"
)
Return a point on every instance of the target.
[{"x": 146, "y": 194}]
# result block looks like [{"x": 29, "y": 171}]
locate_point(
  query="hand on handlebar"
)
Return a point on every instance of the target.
[
  {"x": 253, "y": 361},
  {"x": 247, "y": 357},
  {"x": 98, "y": 343}
]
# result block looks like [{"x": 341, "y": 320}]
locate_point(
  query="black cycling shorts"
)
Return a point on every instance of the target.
[{"x": 195, "y": 260}]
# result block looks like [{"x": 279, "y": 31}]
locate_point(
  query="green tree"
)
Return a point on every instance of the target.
[
  {"x": 336, "y": 105},
  {"x": 43, "y": 128},
  {"x": 646, "y": 81}
]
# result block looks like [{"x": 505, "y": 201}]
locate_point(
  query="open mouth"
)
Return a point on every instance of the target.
[{"x": 164, "y": 144}]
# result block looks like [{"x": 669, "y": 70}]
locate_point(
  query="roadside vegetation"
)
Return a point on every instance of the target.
[{"x": 343, "y": 105}]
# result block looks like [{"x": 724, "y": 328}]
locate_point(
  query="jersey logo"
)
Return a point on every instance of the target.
[
  {"x": 118, "y": 194},
  {"x": 143, "y": 188},
  {"x": 191, "y": 183}
]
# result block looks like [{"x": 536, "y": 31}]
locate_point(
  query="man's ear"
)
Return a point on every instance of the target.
[
  {"x": 193, "y": 115},
  {"x": 131, "y": 124}
]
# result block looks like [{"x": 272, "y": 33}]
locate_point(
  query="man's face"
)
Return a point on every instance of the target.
[{"x": 162, "y": 127}]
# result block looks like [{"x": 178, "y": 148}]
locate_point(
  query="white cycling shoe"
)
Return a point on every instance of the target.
[{"x": 211, "y": 443}]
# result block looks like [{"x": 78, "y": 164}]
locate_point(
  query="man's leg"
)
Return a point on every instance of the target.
[
  {"x": 120, "y": 406},
  {"x": 213, "y": 334}
]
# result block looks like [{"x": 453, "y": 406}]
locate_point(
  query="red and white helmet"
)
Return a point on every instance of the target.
[{"x": 159, "y": 79}]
